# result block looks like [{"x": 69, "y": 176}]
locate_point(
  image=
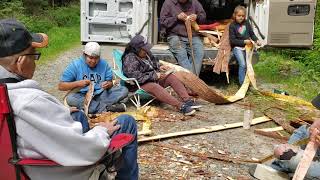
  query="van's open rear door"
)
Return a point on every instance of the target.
[
  {"x": 286, "y": 23},
  {"x": 113, "y": 20}
]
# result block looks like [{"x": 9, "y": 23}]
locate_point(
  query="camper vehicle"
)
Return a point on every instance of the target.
[{"x": 277, "y": 23}]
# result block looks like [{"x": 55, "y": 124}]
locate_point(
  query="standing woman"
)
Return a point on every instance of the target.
[
  {"x": 241, "y": 34},
  {"x": 139, "y": 63}
]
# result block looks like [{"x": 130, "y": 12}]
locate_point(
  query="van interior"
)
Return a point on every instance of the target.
[{"x": 215, "y": 10}]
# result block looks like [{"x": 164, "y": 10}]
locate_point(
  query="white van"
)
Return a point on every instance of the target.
[{"x": 283, "y": 23}]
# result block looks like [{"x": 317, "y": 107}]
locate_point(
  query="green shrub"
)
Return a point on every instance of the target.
[
  {"x": 66, "y": 16},
  {"x": 11, "y": 9}
]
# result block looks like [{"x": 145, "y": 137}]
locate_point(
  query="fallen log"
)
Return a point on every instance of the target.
[{"x": 203, "y": 130}]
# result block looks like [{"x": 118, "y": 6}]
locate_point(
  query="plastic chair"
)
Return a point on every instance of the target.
[
  {"x": 139, "y": 94},
  {"x": 10, "y": 163}
]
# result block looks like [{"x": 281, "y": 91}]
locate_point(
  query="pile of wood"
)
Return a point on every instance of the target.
[{"x": 213, "y": 33}]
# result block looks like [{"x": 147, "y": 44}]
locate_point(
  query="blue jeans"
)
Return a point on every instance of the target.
[
  {"x": 129, "y": 169},
  {"x": 240, "y": 56},
  {"x": 82, "y": 118},
  {"x": 180, "y": 48},
  {"x": 289, "y": 166},
  {"x": 101, "y": 101}
]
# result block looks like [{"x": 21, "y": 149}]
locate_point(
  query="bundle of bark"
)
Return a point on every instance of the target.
[{"x": 201, "y": 88}]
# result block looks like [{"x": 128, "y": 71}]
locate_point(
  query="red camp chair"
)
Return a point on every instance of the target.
[{"x": 10, "y": 163}]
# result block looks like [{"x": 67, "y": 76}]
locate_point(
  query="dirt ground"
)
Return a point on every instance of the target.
[{"x": 160, "y": 162}]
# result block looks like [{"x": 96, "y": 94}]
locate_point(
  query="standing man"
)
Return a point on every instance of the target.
[
  {"x": 90, "y": 68},
  {"x": 173, "y": 15},
  {"x": 45, "y": 129}
]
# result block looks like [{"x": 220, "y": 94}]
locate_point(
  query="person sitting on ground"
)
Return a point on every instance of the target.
[
  {"x": 173, "y": 15},
  {"x": 241, "y": 34},
  {"x": 90, "y": 68},
  {"x": 139, "y": 63},
  {"x": 45, "y": 129},
  {"x": 289, "y": 155}
]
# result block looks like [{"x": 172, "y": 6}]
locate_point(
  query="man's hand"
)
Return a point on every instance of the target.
[
  {"x": 314, "y": 131},
  {"x": 247, "y": 42},
  {"x": 83, "y": 83},
  {"x": 193, "y": 17},
  {"x": 73, "y": 109},
  {"x": 182, "y": 16},
  {"x": 111, "y": 126},
  {"x": 107, "y": 84}
]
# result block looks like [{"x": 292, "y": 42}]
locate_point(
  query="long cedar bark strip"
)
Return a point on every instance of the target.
[
  {"x": 273, "y": 135},
  {"x": 204, "y": 155},
  {"x": 277, "y": 115},
  {"x": 306, "y": 161},
  {"x": 88, "y": 98}
]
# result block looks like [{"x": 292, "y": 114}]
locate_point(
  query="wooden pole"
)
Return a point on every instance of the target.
[{"x": 204, "y": 130}]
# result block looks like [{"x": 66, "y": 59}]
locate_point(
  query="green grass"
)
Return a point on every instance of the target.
[
  {"x": 60, "y": 39},
  {"x": 297, "y": 70},
  {"x": 296, "y": 78}
]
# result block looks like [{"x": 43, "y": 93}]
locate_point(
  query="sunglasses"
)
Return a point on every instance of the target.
[{"x": 36, "y": 55}]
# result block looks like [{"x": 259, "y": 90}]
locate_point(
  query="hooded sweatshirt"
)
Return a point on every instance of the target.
[{"x": 46, "y": 130}]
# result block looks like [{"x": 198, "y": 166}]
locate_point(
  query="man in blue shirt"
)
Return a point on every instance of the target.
[{"x": 90, "y": 68}]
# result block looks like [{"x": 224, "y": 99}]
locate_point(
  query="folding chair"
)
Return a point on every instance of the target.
[
  {"x": 10, "y": 163},
  {"x": 139, "y": 94}
]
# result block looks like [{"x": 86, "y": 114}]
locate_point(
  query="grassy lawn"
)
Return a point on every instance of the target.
[
  {"x": 60, "y": 39},
  {"x": 298, "y": 70},
  {"x": 61, "y": 24},
  {"x": 296, "y": 78}
]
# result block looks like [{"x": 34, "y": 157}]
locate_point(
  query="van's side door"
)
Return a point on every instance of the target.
[{"x": 113, "y": 20}]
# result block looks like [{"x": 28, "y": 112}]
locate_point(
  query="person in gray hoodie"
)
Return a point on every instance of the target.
[{"x": 45, "y": 129}]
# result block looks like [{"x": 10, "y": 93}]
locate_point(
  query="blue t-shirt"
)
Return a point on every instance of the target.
[{"x": 79, "y": 70}]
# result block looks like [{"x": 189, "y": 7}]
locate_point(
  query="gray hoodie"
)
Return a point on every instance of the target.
[{"x": 45, "y": 130}]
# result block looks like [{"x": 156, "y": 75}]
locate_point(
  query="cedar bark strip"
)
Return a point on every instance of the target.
[
  {"x": 306, "y": 161},
  {"x": 189, "y": 33},
  {"x": 88, "y": 98},
  {"x": 201, "y": 88},
  {"x": 279, "y": 117},
  {"x": 273, "y": 135},
  {"x": 250, "y": 71},
  {"x": 222, "y": 60},
  {"x": 204, "y": 155},
  {"x": 207, "y": 129}
]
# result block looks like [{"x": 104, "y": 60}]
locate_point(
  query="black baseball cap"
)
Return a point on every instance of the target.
[
  {"x": 316, "y": 102},
  {"x": 15, "y": 38},
  {"x": 139, "y": 42}
]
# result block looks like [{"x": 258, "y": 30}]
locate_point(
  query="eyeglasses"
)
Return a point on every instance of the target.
[{"x": 36, "y": 55}]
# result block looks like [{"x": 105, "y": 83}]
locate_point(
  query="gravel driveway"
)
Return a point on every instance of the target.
[{"x": 158, "y": 162}]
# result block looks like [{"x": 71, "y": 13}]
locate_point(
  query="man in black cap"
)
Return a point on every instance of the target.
[{"x": 45, "y": 129}]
